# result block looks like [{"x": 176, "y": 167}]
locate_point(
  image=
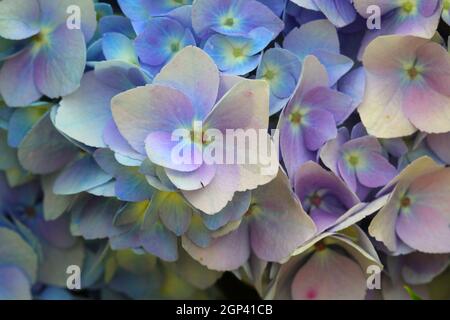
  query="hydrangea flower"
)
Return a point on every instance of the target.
[
  {"x": 418, "y": 18},
  {"x": 53, "y": 59},
  {"x": 311, "y": 116},
  {"x": 52, "y": 241},
  {"x": 161, "y": 39},
  {"x": 340, "y": 258},
  {"x": 338, "y": 12},
  {"x": 141, "y": 150},
  {"x": 405, "y": 89},
  {"x": 191, "y": 95},
  {"x": 414, "y": 270},
  {"x": 269, "y": 227},
  {"x": 319, "y": 38},
  {"x": 323, "y": 195},
  {"x": 281, "y": 69},
  {"x": 234, "y": 34},
  {"x": 234, "y": 18},
  {"x": 141, "y": 11},
  {"x": 417, "y": 212},
  {"x": 359, "y": 162}
]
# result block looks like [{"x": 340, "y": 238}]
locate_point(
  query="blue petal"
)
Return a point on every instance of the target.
[
  {"x": 21, "y": 122},
  {"x": 14, "y": 285},
  {"x": 116, "y": 46},
  {"x": 81, "y": 175},
  {"x": 44, "y": 149},
  {"x": 19, "y": 19},
  {"x": 233, "y": 55}
]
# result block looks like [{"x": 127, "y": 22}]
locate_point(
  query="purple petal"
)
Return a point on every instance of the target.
[
  {"x": 377, "y": 171},
  {"x": 59, "y": 65},
  {"x": 164, "y": 151},
  {"x": 18, "y": 72},
  {"x": 320, "y": 127}
]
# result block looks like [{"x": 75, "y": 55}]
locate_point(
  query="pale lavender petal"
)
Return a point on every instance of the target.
[
  {"x": 225, "y": 253},
  {"x": 199, "y": 79},
  {"x": 425, "y": 224},
  {"x": 83, "y": 115},
  {"x": 194, "y": 180},
  {"x": 18, "y": 72},
  {"x": 278, "y": 224},
  {"x": 170, "y": 153},
  {"x": 421, "y": 268},
  {"x": 14, "y": 284},
  {"x": 143, "y": 110},
  {"x": 59, "y": 65},
  {"x": 215, "y": 196}
]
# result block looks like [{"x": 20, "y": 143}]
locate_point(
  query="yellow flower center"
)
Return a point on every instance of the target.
[
  {"x": 446, "y": 4},
  {"x": 353, "y": 160},
  {"x": 408, "y": 6},
  {"x": 238, "y": 52}
]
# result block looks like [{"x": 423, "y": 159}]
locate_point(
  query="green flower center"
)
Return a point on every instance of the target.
[
  {"x": 175, "y": 47},
  {"x": 238, "y": 52},
  {"x": 353, "y": 160},
  {"x": 269, "y": 75},
  {"x": 42, "y": 38},
  {"x": 229, "y": 22},
  {"x": 295, "y": 117},
  {"x": 408, "y": 6},
  {"x": 447, "y": 5}
]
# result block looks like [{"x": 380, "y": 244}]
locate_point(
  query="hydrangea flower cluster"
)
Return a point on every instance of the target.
[{"x": 147, "y": 147}]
